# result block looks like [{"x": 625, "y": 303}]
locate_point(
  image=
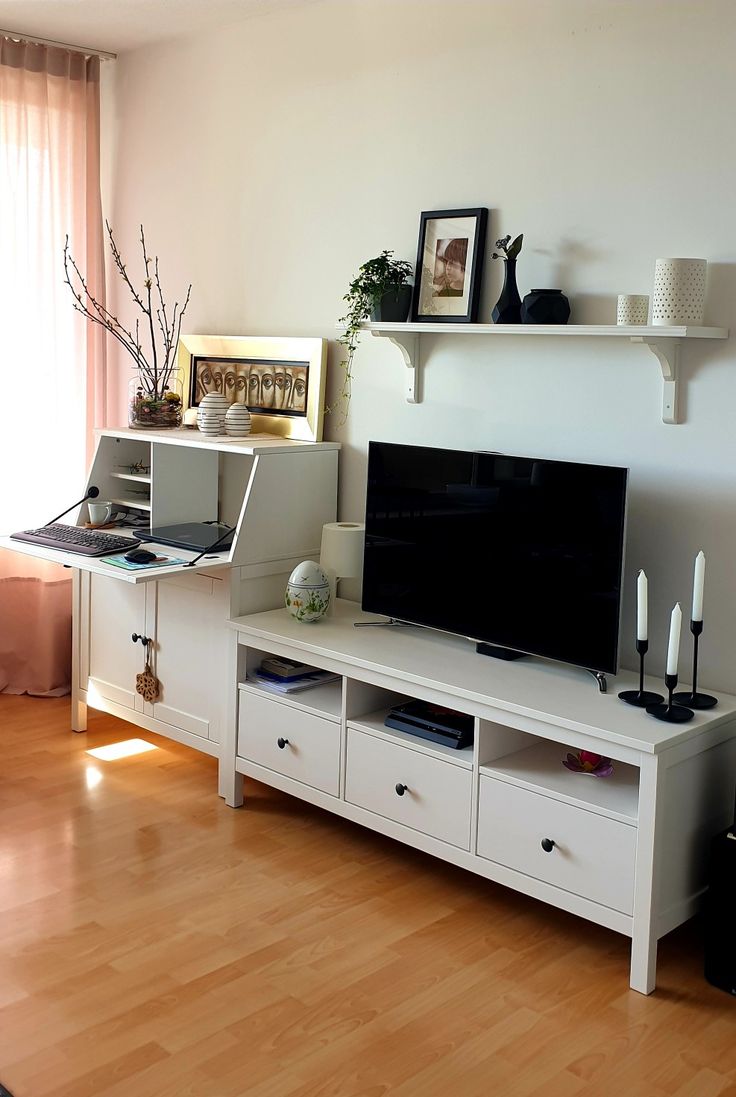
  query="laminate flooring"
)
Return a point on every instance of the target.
[{"x": 154, "y": 943}]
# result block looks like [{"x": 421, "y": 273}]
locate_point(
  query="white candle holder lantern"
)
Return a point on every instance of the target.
[
  {"x": 632, "y": 308},
  {"x": 679, "y": 291}
]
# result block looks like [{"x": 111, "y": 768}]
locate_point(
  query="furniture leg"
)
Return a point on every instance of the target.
[
  {"x": 643, "y": 974},
  {"x": 79, "y": 713}
]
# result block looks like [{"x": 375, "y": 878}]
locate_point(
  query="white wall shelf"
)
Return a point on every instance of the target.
[{"x": 665, "y": 343}]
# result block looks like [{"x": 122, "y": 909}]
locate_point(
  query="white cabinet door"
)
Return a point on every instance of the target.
[
  {"x": 110, "y": 660},
  {"x": 186, "y": 615}
]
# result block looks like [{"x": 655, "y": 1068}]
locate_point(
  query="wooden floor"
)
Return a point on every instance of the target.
[{"x": 154, "y": 943}]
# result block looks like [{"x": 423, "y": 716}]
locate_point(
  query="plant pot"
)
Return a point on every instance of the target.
[
  {"x": 393, "y": 307},
  {"x": 155, "y": 407},
  {"x": 507, "y": 309},
  {"x": 545, "y": 306}
]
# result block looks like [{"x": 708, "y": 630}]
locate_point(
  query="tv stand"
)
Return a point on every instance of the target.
[
  {"x": 627, "y": 851},
  {"x": 509, "y": 655}
]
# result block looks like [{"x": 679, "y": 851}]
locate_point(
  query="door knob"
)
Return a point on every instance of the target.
[
  {"x": 547, "y": 845},
  {"x": 401, "y": 789}
]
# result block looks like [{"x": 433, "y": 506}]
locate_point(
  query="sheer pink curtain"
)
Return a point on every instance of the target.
[{"x": 52, "y": 363}]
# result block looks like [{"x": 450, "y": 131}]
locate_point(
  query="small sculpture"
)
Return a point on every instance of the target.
[{"x": 585, "y": 761}]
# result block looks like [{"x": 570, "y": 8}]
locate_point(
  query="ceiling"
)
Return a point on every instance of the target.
[{"x": 118, "y": 25}]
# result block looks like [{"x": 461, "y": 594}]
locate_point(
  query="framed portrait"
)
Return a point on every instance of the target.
[
  {"x": 280, "y": 381},
  {"x": 449, "y": 266}
]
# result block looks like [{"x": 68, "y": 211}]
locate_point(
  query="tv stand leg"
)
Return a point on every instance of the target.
[
  {"x": 601, "y": 679},
  {"x": 79, "y": 715}
]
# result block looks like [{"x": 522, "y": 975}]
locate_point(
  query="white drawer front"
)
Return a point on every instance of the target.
[
  {"x": 436, "y": 800},
  {"x": 312, "y": 753},
  {"x": 593, "y": 856}
]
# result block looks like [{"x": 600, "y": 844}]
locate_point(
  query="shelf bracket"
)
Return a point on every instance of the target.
[
  {"x": 408, "y": 345},
  {"x": 667, "y": 353}
]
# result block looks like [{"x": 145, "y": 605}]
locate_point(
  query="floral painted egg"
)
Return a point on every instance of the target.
[{"x": 307, "y": 592}]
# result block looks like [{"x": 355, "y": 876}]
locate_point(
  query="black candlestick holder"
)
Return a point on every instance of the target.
[
  {"x": 695, "y": 699},
  {"x": 668, "y": 710},
  {"x": 641, "y": 697}
]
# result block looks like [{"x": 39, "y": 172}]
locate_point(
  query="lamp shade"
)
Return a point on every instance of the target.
[{"x": 342, "y": 549}]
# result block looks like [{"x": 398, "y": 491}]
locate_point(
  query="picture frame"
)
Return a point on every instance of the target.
[
  {"x": 280, "y": 380},
  {"x": 449, "y": 266}
]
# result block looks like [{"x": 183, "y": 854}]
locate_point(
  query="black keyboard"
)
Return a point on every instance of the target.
[{"x": 86, "y": 542}]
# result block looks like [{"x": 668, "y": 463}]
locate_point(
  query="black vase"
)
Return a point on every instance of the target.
[
  {"x": 507, "y": 309},
  {"x": 545, "y": 306},
  {"x": 393, "y": 306}
]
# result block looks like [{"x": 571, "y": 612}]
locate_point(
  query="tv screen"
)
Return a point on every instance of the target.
[{"x": 517, "y": 552}]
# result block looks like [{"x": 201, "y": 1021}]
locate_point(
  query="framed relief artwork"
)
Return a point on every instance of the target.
[
  {"x": 449, "y": 265},
  {"x": 280, "y": 381}
]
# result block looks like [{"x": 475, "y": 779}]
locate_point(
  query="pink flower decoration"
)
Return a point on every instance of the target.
[{"x": 587, "y": 762}]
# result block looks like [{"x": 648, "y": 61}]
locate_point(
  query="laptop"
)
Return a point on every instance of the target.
[{"x": 196, "y": 536}]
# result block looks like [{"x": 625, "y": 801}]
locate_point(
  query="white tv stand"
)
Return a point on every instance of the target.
[{"x": 628, "y": 852}]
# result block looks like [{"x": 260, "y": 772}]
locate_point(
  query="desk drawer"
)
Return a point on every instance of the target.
[
  {"x": 437, "y": 797},
  {"x": 592, "y": 856},
  {"x": 310, "y": 750}
]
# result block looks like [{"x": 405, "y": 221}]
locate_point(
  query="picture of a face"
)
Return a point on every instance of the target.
[
  {"x": 449, "y": 268},
  {"x": 261, "y": 384},
  {"x": 279, "y": 382},
  {"x": 268, "y": 386},
  {"x": 298, "y": 394}
]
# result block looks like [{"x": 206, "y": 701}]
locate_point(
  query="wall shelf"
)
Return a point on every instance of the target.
[{"x": 665, "y": 343}]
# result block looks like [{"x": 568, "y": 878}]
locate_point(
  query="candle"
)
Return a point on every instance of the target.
[
  {"x": 642, "y": 590},
  {"x": 673, "y": 648},
  {"x": 698, "y": 583}
]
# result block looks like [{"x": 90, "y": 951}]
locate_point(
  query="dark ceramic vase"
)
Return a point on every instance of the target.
[
  {"x": 545, "y": 306},
  {"x": 507, "y": 309},
  {"x": 393, "y": 306}
]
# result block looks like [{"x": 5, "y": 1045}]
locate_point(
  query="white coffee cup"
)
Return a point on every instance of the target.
[{"x": 100, "y": 513}]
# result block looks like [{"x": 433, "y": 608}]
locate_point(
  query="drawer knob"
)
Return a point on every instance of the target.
[
  {"x": 401, "y": 789},
  {"x": 547, "y": 845},
  {"x": 281, "y": 743}
]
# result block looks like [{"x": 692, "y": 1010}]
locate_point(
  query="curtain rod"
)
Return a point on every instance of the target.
[{"x": 102, "y": 54}]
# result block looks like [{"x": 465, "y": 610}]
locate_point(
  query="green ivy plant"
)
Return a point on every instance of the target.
[{"x": 375, "y": 277}]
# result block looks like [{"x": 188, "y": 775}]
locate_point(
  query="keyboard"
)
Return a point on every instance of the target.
[{"x": 85, "y": 542}]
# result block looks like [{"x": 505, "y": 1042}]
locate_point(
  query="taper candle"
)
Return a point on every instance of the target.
[
  {"x": 698, "y": 584},
  {"x": 673, "y": 648},
  {"x": 642, "y": 593}
]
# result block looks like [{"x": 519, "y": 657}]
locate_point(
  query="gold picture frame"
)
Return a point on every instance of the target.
[{"x": 280, "y": 380}]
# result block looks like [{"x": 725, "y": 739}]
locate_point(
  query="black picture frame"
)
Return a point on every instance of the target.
[{"x": 450, "y": 257}]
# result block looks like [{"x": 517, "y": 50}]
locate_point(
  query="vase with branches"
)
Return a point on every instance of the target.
[{"x": 156, "y": 399}]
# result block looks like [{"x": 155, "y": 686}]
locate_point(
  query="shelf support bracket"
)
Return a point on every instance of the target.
[
  {"x": 667, "y": 353},
  {"x": 408, "y": 346}
]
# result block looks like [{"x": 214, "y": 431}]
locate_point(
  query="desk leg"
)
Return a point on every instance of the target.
[
  {"x": 79, "y": 707},
  {"x": 230, "y": 783},
  {"x": 643, "y": 975}
]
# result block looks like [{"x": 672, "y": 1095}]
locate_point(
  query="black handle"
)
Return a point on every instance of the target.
[
  {"x": 145, "y": 640},
  {"x": 547, "y": 845},
  {"x": 401, "y": 789},
  {"x": 281, "y": 743}
]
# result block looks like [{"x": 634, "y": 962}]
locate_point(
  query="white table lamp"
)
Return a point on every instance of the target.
[{"x": 341, "y": 554}]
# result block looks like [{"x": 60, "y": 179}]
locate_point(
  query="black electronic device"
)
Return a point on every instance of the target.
[
  {"x": 140, "y": 556},
  {"x": 197, "y": 536},
  {"x": 83, "y": 542},
  {"x": 433, "y": 722},
  {"x": 518, "y": 553},
  {"x": 720, "y": 913}
]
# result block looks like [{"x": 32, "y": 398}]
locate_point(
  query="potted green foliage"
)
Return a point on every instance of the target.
[{"x": 381, "y": 291}]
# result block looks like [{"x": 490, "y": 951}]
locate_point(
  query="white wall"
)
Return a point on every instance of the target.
[{"x": 267, "y": 160}]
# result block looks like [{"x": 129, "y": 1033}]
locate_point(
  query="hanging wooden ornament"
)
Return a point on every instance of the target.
[{"x": 147, "y": 684}]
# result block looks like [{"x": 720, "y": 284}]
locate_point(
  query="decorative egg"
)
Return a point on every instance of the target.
[
  {"x": 210, "y": 424},
  {"x": 237, "y": 421},
  {"x": 307, "y": 592}
]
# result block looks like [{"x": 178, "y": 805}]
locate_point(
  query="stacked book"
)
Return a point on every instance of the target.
[{"x": 279, "y": 675}]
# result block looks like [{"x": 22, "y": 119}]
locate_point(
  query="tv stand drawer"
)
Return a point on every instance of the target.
[
  {"x": 591, "y": 855},
  {"x": 434, "y": 797},
  {"x": 292, "y": 742}
]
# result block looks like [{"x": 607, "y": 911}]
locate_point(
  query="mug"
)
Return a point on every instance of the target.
[{"x": 100, "y": 513}]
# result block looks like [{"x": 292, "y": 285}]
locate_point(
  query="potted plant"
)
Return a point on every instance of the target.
[
  {"x": 380, "y": 291},
  {"x": 155, "y": 399}
]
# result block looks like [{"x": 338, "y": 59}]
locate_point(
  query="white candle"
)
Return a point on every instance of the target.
[
  {"x": 673, "y": 648},
  {"x": 698, "y": 583},
  {"x": 642, "y": 591}
]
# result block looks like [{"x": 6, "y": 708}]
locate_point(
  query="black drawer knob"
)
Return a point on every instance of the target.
[
  {"x": 281, "y": 743},
  {"x": 547, "y": 845},
  {"x": 401, "y": 789}
]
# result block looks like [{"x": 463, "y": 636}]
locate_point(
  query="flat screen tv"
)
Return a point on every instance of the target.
[{"x": 516, "y": 552}]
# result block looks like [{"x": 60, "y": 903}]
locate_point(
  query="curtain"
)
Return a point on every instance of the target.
[{"x": 52, "y": 362}]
